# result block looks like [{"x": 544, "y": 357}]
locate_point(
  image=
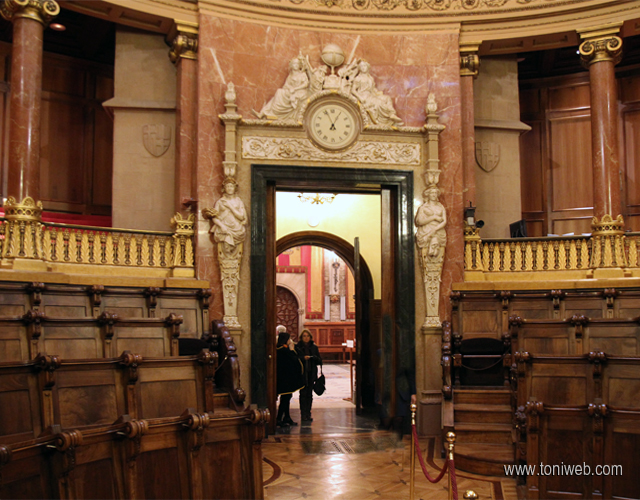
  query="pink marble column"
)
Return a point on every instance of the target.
[
  {"x": 600, "y": 53},
  {"x": 183, "y": 54},
  {"x": 26, "y": 90},
  {"x": 469, "y": 64}
]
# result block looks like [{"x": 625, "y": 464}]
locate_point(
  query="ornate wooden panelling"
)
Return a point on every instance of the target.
[
  {"x": 76, "y": 136},
  {"x": 329, "y": 336},
  {"x": 96, "y": 322},
  {"x": 556, "y": 175}
]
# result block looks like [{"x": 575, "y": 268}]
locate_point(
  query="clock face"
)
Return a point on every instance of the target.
[{"x": 333, "y": 126}]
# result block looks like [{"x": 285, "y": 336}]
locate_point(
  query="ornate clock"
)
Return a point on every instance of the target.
[{"x": 332, "y": 124}]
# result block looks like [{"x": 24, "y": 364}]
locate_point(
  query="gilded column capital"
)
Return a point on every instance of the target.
[
  {"x": 469, "y": 59},
  {"x": 184, "y": 43},
  {"x": 603, "y": 49},
  {"x": 42, "y": 11},
  {"x": 600, "y": 44}
]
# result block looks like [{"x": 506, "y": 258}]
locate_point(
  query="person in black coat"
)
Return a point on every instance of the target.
[
  {"x": 310, "y": 356},
  {"x": 290, "y": 377}
]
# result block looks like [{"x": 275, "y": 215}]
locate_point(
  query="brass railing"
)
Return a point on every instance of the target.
[{"x": 25, "y": 238}]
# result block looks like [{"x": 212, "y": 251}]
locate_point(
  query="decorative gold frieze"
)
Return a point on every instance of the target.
[
  {"x": 42, "y": 11},
  {"x": 414, "y": 5}
]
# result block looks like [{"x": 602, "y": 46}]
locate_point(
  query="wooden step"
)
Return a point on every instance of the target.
[
  {"x": 467, "y": 433},
  {"x": 497, "y": 396},
  {"x": 485, "y": 459},
  {"x": 485, "y": 413}
]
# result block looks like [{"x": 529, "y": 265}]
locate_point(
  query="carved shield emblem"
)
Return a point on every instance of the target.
[
  {"x": 156, "y": 139},
  {"x": 487, "y": 155}
]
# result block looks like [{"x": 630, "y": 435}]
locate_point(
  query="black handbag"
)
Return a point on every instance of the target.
[{"x": 319, "y": 384}]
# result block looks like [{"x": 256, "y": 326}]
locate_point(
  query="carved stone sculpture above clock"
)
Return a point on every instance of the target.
[{"x": 353, "y": 81}]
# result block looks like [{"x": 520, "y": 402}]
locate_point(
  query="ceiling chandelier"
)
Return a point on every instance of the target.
[{"x": 317, "y": 198}]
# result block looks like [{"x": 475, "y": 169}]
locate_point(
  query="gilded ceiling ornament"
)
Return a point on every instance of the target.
[
  {"x": 602, "y": 49},
  {"x": 42, "y": 11}
]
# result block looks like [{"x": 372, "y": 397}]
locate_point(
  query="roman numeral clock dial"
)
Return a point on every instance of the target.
[{"x": 332, "y": 126}]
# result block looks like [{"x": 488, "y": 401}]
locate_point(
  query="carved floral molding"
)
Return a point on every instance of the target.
[
  {"x": 415, "y": 5},
  {"x": 276, "y": 148}
]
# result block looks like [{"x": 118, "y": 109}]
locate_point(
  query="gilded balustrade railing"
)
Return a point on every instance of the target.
[
  {"x": 24, "y": 237},
  {"x": 529, "y": 254},
  {"x": 551, "y": 254}
]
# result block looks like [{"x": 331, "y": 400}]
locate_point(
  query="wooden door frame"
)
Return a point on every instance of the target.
[{"x": 264, "y": 180}]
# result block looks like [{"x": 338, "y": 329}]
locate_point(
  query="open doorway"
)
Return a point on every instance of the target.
[
  {"x": 316, "y": 292},
  {"x": 397, "y": 287}
]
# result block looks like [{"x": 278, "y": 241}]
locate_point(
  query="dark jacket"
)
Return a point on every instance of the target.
[
  {"x": 290, "y": 376},
  {"x": 311, "y": 364}
]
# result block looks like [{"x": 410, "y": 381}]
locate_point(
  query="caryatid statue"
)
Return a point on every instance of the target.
[{"x": 229, "y": 228}]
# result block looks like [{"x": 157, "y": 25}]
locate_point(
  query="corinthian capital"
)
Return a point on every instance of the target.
[
  {"x": 42, "y": 11},
  {"x": 184, "y": 43},
  {"x": 469, "y": 60},
  {"x": 601, "y": 44}
]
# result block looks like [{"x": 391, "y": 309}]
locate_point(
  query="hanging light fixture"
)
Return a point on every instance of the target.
[{"x": 317, "y": 198}]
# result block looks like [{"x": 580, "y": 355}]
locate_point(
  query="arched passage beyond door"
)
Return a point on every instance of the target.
[{"x": 365, "y": 348}]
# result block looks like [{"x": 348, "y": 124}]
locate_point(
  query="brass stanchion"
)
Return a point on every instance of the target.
[
  {"x": 412, "y": 481},
  {"x": 470, "y": 495},
  {"x": 451, "y": 439}
]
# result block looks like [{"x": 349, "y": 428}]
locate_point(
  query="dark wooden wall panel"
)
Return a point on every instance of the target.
[
  {"x": 218, "y": 464},
  {"x": 76, "y": 136},
  {"x": 570, "y": 156},
  {"x": 95, "y": 480},
  {"x": 159, "y": 474}
]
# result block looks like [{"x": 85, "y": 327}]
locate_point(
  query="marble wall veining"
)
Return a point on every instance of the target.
[{"x": 255, "y": 58}]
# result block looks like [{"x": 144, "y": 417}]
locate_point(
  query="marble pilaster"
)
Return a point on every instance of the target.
[
  {"x": 184, "y": 46},
  {"x": 29, "y": 20},
  {"x": 469, "y": 67}
]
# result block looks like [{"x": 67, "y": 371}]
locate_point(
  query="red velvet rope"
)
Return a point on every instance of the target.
[
  {"x": 454, "y": 482},
  {"x": 447, "y": 465}
]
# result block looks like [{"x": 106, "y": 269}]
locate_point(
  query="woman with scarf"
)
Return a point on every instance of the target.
[{"x": 310, "y": 357}]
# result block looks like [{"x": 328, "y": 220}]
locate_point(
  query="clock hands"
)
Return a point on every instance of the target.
[{"x": 333, "y": 122}]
